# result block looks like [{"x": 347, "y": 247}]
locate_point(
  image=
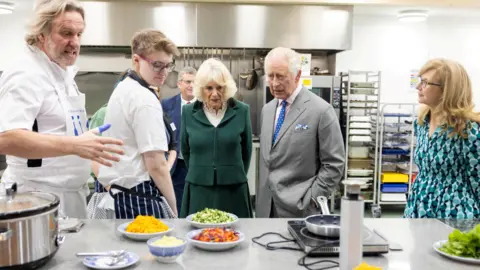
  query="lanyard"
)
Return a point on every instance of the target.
[{"x": 134, "y": 76}]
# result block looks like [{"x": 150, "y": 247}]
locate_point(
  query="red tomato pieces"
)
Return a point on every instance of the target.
[{"x": 217, "y": 235}]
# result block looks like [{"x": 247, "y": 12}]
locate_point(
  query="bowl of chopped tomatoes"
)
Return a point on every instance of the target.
[{"x": 215, "y": 239}]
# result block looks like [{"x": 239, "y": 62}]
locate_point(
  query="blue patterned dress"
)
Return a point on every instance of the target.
[{"x": 447, "y": 184}]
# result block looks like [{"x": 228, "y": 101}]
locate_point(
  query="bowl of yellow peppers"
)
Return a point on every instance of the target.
[{"x": 365, "y": 266}]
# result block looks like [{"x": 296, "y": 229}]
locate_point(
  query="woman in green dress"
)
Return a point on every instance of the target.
[{"x": 216, "y": 143}]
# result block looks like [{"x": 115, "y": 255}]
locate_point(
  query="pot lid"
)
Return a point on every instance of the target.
[{"x": 15, "y": 205}]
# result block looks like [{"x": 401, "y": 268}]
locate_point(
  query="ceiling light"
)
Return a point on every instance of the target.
[
  {"x": 6, "y": 7},
  {"x": 412, "y": 16}
]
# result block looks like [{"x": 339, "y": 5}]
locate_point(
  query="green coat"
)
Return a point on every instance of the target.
[{"x": 217, "y": 159}]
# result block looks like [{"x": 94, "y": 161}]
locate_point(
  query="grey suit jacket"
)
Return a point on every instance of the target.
[{"x": 306, "y": 161}]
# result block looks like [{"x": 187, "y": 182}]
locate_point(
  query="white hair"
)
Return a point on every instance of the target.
[
  {"x": 213, "y": 69},
  {"x": 290, "y": 56}
]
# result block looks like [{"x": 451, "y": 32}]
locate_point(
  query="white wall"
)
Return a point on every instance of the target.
[
  {"x": 12, "y": 30},
  {"x": 379, "y": 43},
  {"x": 394, "y": 48}
]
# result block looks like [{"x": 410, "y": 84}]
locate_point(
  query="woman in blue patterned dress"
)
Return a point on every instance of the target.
[{"x": 448, "y": 146}]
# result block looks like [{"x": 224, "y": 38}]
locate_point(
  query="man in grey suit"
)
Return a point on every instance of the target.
[{"x": 302, "y": 149}]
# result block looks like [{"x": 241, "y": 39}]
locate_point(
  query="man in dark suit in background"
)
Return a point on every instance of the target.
[{"x": 173, "y": 108}]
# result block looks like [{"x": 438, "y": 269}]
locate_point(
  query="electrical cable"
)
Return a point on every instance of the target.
[{"x": 301, "y": 261}]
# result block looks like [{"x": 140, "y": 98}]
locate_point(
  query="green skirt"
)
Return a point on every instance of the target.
[{"x": 234, "y": 199}]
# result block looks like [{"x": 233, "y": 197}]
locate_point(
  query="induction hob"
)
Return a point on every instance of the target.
[{"x": 373, "y": 244}]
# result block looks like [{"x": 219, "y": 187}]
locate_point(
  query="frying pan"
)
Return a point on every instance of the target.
[{"x": 323, "y": 224}]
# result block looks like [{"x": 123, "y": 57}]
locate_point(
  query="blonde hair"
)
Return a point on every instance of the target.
[
  {"x": 213, "y": 69},
  {"x": 456, "y": 105},
  {"x": 148, "y": 41},
  {"x": 45, "y": 12}
]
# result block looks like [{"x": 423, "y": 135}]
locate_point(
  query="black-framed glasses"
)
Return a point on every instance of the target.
[
  {"x": 423, "y": 83},
  {"x": 158, "y": 66}
]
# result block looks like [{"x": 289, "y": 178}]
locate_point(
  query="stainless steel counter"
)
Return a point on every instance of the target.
[{"x": 415, "y": 236}]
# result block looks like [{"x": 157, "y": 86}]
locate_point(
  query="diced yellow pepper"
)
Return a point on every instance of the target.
[{"x": 365, "y": 266}]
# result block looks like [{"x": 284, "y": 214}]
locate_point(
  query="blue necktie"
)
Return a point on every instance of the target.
[{"x": 280, "y": 120}]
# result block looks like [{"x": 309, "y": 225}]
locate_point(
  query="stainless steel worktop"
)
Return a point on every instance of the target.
[{"x": 415, "y": 236}]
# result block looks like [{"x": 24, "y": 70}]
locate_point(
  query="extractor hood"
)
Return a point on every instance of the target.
[{"x": 111, "y": 25}]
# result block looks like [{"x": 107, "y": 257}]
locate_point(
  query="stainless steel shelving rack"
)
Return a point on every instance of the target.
[
  {"x": 395, "y": 151},
  {"x": 361, "y": 92}
]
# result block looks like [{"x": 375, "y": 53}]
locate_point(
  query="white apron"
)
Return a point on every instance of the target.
[{"x": 67, "y": 176}]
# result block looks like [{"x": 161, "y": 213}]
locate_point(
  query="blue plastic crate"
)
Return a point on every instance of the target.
[{"x": 394, "y": 188}]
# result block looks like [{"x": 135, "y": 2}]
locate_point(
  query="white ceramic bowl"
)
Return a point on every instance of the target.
[
  {"x": 144, "y": 236},
  {"x": 213, "y": 246},
  {"x": 211, "y": 225},
  {"x": 166, "y": 254}
]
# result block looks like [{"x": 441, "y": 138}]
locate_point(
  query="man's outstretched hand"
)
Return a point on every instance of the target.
[{"x": 96, "y": 148}]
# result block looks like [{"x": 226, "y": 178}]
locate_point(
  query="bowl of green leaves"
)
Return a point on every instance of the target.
[
  {"x": 461, "y": 246},
  {"x": 212, "y": 218}
]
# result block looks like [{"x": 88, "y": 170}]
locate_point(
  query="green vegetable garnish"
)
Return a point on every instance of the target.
[
  {"x": 463, "y": 244},
  {"x": 212, "y": 216}
]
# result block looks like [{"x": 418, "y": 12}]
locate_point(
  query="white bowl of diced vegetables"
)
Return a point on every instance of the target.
[{"x": 212, "y": 218}]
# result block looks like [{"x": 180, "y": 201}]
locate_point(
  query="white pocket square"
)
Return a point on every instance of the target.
[{"x": 301, "y": 127}]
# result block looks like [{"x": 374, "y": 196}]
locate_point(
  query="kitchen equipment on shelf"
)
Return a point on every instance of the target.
[
  {"x": 358, "y": 152},
  {"x": 395, "y": 169},
  {"x": 28, "y": 228},
  {"x": 325, "y": 224},
  {"x": 361, "y": 96}
]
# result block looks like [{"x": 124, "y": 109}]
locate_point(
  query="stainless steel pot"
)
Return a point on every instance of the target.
[
  {"x": 28, "y": 229},
  {"x": 325, "y": 224}
]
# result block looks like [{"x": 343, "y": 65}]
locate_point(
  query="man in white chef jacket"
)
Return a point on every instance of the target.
[{"x": 38, "y": 93}]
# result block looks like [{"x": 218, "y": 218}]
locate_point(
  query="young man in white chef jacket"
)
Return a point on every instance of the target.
[
  {"x": 141, "y": 181},
  {"x": 38, "y": 93}
]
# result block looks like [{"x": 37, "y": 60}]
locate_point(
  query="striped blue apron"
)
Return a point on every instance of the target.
[{"x": 143, "y": 199}]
